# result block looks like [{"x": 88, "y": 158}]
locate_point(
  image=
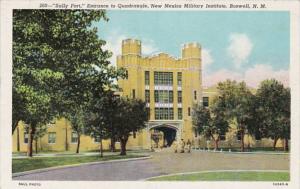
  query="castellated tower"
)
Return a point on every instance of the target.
[
  {"x": 131, "y": 47},
  {"x": 170, "y": 86}
]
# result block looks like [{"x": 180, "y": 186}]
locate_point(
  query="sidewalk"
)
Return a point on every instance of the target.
[{"x": 72, "y": 154}]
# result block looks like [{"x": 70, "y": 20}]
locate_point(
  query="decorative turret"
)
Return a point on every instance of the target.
[
  {"x": 191, "y": 50},
  {"x": 131, "y": 47}
]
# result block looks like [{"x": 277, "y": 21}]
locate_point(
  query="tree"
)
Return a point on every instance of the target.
[
  {"x": 78, "y": 123},
  {"x": 41, "y": 130},
  {"x": 101, "y": 113},
  {"x": 238, "y": 104},
  {"x": 219, "y": 124},
  {"x": 108, "y": 109},
  {"x": 131, "y": 117},
  {"x": 201, "y": 119},
  {"x": 58, "y": 62},
  {"x": 211, "y": 125},
  {"x": 274, "y": 101}
]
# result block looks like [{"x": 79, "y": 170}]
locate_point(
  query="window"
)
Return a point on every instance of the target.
[
  {"x": 222, "y": 137},
  {"x": 205, "y": 101},
  {"x": 147, "y": 78},
  {"x": 179, "y": 78},
  {"x": 189, "y": 111},
  {"x": 148, "y": 112},
  {"x": 163, "y": 78},
  {"x": 51, "y": 137},
  {"x": 25, "y": 137},
  {"x": 195, "y": 95},
  {"x": 97, "y": 139},
  {"x": 179, "y": 113},
  {"x": 147, "y": 96},
  {"x": 170, "y": 96},
  {"x": 74, "y": 137},
  {"x": 257, "y": 136},
  {"x": 164, "y": 113},
  {"x": 238, "y": 135},
  {"x": 134, "y": 134},
  {"x": 133, "y": 93},
  {"x": 156, "y": 99},
  {"x": 163, "y": 96},
  {"x": 127, "y": 74},
  {"x": 179, "y": 96}
]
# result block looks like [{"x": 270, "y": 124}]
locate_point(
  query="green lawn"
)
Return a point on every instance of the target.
[
  {"x": 26, "y": 164},
  {"x": 228, "y": 176}
]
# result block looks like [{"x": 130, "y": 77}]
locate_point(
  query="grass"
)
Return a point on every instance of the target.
[
  {"x": 228, "y": 176},
  {"x": 27, "y": 164}
]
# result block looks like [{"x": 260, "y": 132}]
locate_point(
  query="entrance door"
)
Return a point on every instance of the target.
[{"x": 169, "y": 135}]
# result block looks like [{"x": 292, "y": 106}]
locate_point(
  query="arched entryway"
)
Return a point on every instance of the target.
[{"x": 163, "y": 135}]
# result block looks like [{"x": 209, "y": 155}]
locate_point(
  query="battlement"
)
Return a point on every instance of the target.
[
  {"x": 191, "y": 45},
  {"x": 131, "y": 41},
  {"x": 191, "y": 50},
  {"x": 131, "y": 47}
]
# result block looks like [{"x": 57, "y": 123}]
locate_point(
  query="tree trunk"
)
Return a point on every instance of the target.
[
  {"x": 101, "y": 148},
  {"x": 123, "y": 146},
  {"x": 216, "y": 141},
  {"x": 242, "y": 141},
  {"x": 36, "y": 146},
  {"x": 286, "y": 144},
  {"x": 274, "y": 143},
  {"x": 30, "y": 140},
  {"x": 78, "y": 144},
  {"x": 14, "y": 126},
  {"x": 66, "y": 138},
  {"x": 112, "y": 144},
  {"x": 18, "y": 139}
]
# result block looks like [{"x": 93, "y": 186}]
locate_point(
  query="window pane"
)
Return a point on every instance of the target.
[
  {"x": 147, "y": 96},
  {"x": 147, "y": 78},
  {"x": 74, "y": 137},
  {"x": 179, "y": 96},
  {"x": 205, "y": 101},
  {"x": 25, "y": 137},
  {"x": 179, "y": 78},
  {"x": 51, "y": 137},
  {"x": 133, "y": 93},
  {"x": 179, "y": 113},
  {"x": 171, "y": 96}
]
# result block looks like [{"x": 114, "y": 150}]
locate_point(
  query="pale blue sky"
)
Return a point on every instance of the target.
[{"x": 232, "y": 41}]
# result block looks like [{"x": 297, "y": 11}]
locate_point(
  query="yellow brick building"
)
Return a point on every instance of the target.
[{"x": 170, "y": 86}]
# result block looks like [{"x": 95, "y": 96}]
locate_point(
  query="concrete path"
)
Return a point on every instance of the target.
[{"x": 165, "y": 162}]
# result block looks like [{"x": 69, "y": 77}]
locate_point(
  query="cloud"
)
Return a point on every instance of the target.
[
  {"x": 207, "y": 58},
  {"x": 259, "y": 72},
  {"x": 114, "y": 44},
  {"x": 210, "y": 79},
  {"x": 252, "y": 76},
  {"x": 239, "y": 49},
  {"x": 148, "y": 47}
]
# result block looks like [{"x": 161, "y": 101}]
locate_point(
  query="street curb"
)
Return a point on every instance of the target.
[
  {"x": 76, "y": 165},
  {"x": 212, "y": 171},
  {"x": 226, "y": 152}
]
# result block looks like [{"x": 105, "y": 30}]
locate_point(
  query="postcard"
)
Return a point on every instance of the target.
[{"x": 150, "y": 94}]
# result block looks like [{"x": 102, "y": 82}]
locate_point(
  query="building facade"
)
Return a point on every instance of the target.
[{"x": 170, "y": 86}]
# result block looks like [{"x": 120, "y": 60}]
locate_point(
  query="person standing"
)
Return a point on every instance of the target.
[
  {"x": 182, "y": 145},
  {"x": 189, "y": 144}
]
